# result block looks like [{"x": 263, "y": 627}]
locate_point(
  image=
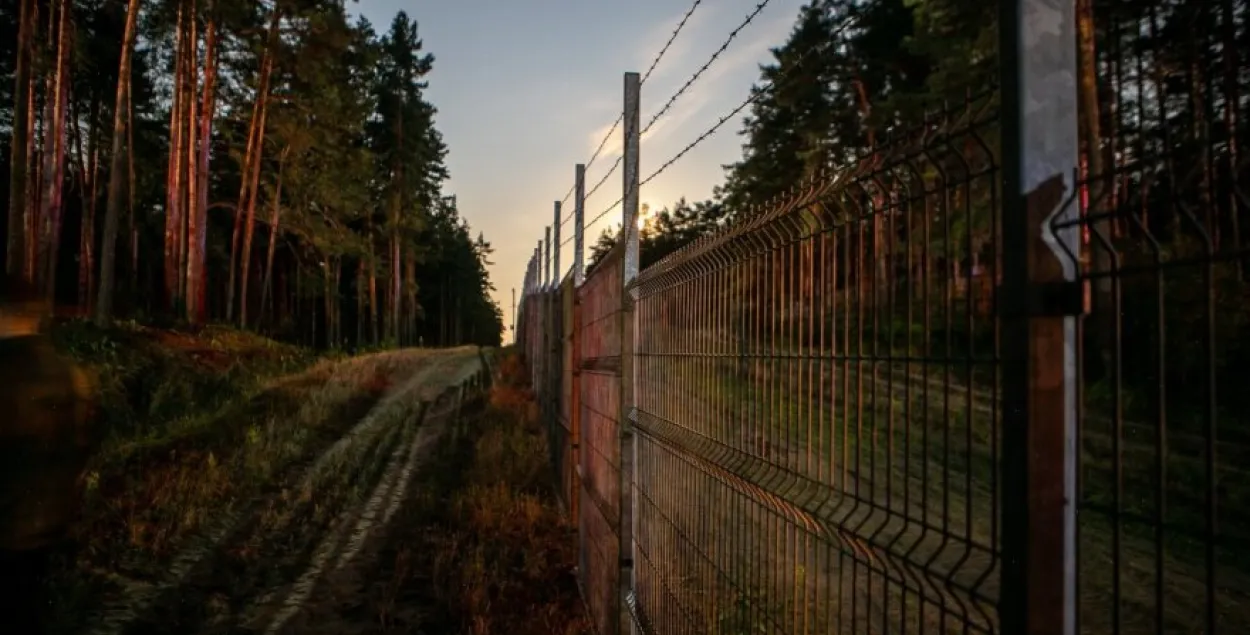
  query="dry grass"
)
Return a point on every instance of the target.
[{"x": 484, "y": 547}]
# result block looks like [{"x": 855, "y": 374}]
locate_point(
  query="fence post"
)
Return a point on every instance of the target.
[
  {"x": 628, "y": 441},
  {"x": 554, "y": 375},
  {"x": 544, "y": 350},
  {"x": 555, "y": 245},
  {"x": 579, "y": 222},
  {"x": 575, "y": 343},
  {"x": 1041, "y": 300},
  {"x": 536, "y": 375}
]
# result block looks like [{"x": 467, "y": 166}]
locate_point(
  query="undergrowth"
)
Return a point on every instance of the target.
[
  {"x": 150, "y": 381},
  {"x": 485, "y": 548}
]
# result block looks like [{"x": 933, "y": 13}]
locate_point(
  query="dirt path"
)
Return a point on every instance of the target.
[{"x": 257, "y": 568}]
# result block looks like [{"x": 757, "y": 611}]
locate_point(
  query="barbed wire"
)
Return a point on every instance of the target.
[
  {"x": 680, "y": 26},
  {"x": 693, "y": 78},
  {"x": 606, "y": 176},
  {"x": 755, "y": 96},
  {"x": 654, "y": 63}
]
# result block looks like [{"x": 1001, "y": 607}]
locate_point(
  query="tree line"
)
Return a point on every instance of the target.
[
  {"x": 274, "y": 165},
  {"x": 1162, "y": 110}
]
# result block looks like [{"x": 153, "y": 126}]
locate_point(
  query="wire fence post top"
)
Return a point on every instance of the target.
[
  {"x": 629, "y": 197},
  {"x": 579, "y": 223},
  {"x": 550, "y": 274},
  {"x": 555, "y": 245},
  {"x": 536, "y": 270},
  {"x": 1040, "y": 156},
  {"x": 529, "y": 277}
]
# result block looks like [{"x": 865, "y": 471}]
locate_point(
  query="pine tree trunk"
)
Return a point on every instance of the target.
[
  {"x": 31, "y": 213},
  {"x": 252, "y": 154},
  {"x": 396, "y": 286},
  {"x": 274, "y": 218},
  {"x": 360, "y": 302},
  {"x": 130, "y": 197},
  {"x": 84, "y": 188},
  {"x": 1103, "y": 322},
  {"x": 1231, "y": 100},
  {"x": 327, "y": 277},
  {"x": 192, "y": 165},
  {"x": 410, "y": 299},
  {"x": 174, "y": 176},
  {"x": 373, "y": 296},
  {"x": 47, "y": 160},
  {"x": 197, "y": 233},
  {"x": 56, "y": 192},
  {"x": 104, "y": 308},
  {"x": 18, "y": 153},
  {"x": 249, "y": 229}
]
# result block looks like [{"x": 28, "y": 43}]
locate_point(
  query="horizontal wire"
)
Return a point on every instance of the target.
[
  {"x": 725, "y": 45},
  {"x": 654, "y": 63},
  {"x": 680, "y": 26},
  {"x": 755, "y": 96}
]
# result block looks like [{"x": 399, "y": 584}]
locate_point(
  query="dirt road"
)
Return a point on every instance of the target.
[{"x": 260, "y": 565}]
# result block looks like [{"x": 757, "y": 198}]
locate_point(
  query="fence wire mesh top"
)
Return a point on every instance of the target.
[{"x": 868, "y": 406}]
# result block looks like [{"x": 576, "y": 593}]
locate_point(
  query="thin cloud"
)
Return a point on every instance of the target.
[
  {"x": 717, "y": 85},
  {"x": 653, "y": 42}
]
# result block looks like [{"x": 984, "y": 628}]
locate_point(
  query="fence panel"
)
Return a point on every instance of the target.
[
  {"x": 1163, "y": 486},
  {"x": 567, "y": 429},
  {"x": 818, "y": 412},
  {"x": 600, "y": 299},
  {"x": 819, "y": 386}
]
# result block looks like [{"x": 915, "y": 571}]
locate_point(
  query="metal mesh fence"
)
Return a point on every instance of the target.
[
  {"x": 817, "y": 399},
  {"x": 1165, "y": 420},
  {"x": 946, "y": 387},
  {"x": 599, "y": 454}
]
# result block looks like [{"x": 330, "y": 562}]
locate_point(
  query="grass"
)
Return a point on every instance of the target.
[
  {"x": 153, "y": 381},
  {"x": 199, "y": 427},
  {"x": 484, "y": 547}
]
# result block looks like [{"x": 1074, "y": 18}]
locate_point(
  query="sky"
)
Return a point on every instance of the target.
[{"x": 526, "y": 89}]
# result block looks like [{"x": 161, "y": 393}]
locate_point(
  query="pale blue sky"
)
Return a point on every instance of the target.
[{"x": 527, "y": 88}]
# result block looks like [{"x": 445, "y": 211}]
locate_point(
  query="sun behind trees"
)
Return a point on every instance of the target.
[{"x": 274, "y": 165}]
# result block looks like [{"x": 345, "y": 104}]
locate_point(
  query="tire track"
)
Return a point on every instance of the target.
[
  {"x": 140, "y": 600},
  {"x": 345, "y": 544}
]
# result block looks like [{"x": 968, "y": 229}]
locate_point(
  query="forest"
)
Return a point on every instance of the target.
[{"x": 273, "y": 165}]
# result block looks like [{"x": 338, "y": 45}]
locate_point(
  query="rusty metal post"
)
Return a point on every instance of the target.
[
  {"x": 1042, "y": 300},
  {"x": 629, "y": 412}
]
